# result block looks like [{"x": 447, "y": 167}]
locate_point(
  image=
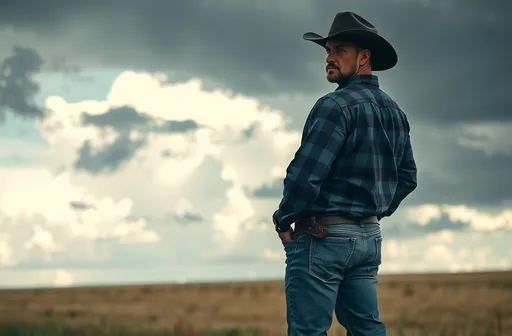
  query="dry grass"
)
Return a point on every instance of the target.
[{"x": 445, "y": 304}]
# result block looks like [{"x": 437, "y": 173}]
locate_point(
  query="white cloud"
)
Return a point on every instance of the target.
[
  {"x": 219, "y": 110},
  {"x": 6, "y": 256},
  {"x": 157, "y": 184},
  {"x": 425, "y": 213},
  {"x": 37, "y": 213},
  {"x": 63, "y": 278},
  {"x": 41, "y": 239},
  {"x": 441, "y": 252},
  {"x": 208, "y": 173},
  {"x": 443, "y": 236},
  {"x": 477, "y": 219},
  {"x": 35, "y": 192},
  {"x": 273, "y": 254},
  {"x": 230, "y": 219}
]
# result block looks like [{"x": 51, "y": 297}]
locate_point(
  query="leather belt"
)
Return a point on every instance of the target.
[{"x": 317, "y": 226}]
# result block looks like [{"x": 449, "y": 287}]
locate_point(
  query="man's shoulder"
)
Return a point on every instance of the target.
[
  {"x": 358, "y": 94},
  {"x": 326, "y": 103}
]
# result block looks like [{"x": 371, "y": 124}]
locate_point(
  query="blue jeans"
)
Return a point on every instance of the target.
[{"x": 334, "y": 274}]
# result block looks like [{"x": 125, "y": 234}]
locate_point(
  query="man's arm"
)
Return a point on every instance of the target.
[
  {"x": 407, "y": 179},
  {"x": 321, "y": 143}
]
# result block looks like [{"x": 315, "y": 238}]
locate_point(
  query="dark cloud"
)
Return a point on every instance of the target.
[
  {"x": 449, "y": 173},
  {"x": 126, "y": 118},
  {"x": 187, "y": 218},
  {"x": 17, "y": 86},
  {"x": 109, "y": 158},
  {"x": 123, "y": 120},
  {"x": 80, "y": 206},
  {"x": 174, "y": 218},
  {"x": 249, "y": 131},
  {"x": 164, "y": 36},
  {"x": 273, "y": 190},
  {"x": 453, "y": 56}
]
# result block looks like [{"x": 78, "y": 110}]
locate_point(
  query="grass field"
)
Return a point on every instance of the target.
[{"x": 444, "y": 304}]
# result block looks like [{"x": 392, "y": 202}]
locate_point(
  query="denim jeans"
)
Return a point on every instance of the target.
[{"x": 334, "y": 274}]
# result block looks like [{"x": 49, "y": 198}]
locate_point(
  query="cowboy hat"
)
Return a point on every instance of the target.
[{"x": 350, "y": 27}]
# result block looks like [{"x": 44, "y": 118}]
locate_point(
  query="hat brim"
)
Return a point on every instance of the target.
[{"x": 384, "y": 56}]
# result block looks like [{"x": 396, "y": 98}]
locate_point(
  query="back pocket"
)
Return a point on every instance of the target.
[
  {"x": 373, "y": 268},
  {"x": 329, "y": 256}
]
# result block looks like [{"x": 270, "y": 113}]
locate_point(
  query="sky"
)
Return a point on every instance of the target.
[{"x": 147, "y": 142}]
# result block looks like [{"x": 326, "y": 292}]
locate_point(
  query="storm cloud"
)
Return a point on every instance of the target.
[
  {"x": 17, "y": 85},
  {"x": 123, "y": 120},
  {"x": 452, "y": 55}
]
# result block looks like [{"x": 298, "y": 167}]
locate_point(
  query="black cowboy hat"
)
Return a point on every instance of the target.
[{"x": 350, "y": 27}]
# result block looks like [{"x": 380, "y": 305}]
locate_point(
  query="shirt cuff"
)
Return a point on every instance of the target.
[{"x": 279, "y": 226}]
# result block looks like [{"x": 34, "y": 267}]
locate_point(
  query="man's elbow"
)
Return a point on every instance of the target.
[
  {"x": 411, "y": 183},
  {"x": 409, "y": 180},
  {"x": 412, "y": 186}
]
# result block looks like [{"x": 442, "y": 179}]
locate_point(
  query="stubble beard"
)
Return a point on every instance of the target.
[
  {"x": 335, "y": 77},
  {"x": 338, "y": 77}
]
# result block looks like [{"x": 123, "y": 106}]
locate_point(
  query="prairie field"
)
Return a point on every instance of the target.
[{"x": 433, "y": 304}]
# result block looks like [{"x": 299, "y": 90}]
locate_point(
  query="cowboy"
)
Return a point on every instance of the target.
[{"x": 353, "y": 167}]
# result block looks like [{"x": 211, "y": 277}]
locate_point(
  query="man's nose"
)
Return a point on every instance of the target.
[{"x": 329, "y": 58}]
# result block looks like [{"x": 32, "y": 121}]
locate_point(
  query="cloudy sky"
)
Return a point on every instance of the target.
[{"x": 147, "y": 142}]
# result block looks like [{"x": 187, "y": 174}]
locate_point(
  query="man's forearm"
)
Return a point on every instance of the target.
[
  {"x": 402, "y": 191},
  {"x": 296, "y": 200},
  {"x": 407, "y": 179}
]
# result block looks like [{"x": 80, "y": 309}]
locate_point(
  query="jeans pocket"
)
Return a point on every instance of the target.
[
  {"x": 373, "y": 268},
  {"x": 295, "y": 239},
  {"x": 329, "y": 256}
]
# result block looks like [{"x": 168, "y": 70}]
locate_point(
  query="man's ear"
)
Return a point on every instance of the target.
[{"x": 364, "y": 57}]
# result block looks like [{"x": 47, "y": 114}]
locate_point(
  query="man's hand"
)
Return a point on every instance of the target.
[{"x": 286, "y": 236}]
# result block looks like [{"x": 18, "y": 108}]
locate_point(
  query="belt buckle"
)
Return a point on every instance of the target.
[{"x": 317, "y": 230}]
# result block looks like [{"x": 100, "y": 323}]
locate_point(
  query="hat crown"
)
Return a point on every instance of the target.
[{"x": 347, "y": 21}]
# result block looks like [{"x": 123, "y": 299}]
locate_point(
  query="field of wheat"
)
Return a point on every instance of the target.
[{"x": 436, "y": 304}]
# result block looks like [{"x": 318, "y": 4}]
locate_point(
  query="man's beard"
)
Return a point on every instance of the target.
[
  {"x": 335, "y": 77},
  {"x": 338, "y": 76}
]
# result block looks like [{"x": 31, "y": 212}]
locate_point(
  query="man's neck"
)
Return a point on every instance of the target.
[
  {"x": 355, "y": 78},
  {"x": 363, "y": 71}
]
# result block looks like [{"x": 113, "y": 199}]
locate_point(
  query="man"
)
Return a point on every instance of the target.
[{"x": 354, "y": 166}]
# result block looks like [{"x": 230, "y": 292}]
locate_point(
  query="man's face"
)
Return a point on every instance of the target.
[{"x": 342, "y": 58}]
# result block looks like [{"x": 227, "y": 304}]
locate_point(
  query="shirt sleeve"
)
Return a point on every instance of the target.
[
  {"x": 324, "y": 135},
  {"x": 407, "y": 179}
]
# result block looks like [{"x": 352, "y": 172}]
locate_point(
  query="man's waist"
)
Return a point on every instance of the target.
[
  {"x": 316, "y": 225},
  {"x": 364, "y": 204},
  {"x": 336, "y": 219}
]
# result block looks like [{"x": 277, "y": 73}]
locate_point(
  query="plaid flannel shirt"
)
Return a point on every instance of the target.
[{"x": 355, "y": 157}]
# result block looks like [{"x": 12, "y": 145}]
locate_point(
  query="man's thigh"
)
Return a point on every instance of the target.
[
  {"x": 357, "y": 305},
  {"x": 314, "y": 269}
]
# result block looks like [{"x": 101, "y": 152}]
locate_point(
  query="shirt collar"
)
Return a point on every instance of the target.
[{"x": 371, "y": 80}]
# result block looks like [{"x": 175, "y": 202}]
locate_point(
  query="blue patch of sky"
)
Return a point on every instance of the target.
[{"x": 95, "y": 84}]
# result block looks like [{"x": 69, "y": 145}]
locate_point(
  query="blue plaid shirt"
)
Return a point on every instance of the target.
[{"x": 355, "y": 158}]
